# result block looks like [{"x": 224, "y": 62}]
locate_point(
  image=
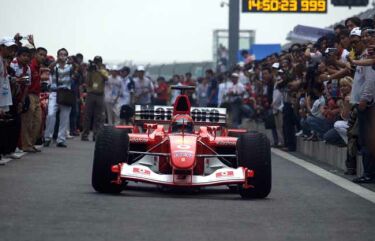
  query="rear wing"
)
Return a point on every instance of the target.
[{"x": 163, "y": 115}]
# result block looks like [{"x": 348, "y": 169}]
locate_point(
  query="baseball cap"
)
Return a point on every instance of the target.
[
  {"x": 276, "y": 66},
  {"x": 235, "y": 75},
  {"x": 356, "y": 32},
  {"x": 140, "y": 68},
  {"x": 7, "y": 41}
]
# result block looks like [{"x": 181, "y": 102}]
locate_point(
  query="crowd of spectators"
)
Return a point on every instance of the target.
[{"x": 322, "y": 91}]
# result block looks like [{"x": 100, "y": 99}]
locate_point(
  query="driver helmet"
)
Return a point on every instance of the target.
[{"x": 182, "y": 123}]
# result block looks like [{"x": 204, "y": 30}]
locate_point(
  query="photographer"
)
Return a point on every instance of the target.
[
  {"x": 76, "y": 61},
  {"x": 95, "y": 82},
  {"x": 22, "y": 74}
]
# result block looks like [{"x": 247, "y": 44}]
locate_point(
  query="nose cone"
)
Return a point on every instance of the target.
[{"x": 183, "y": 149}]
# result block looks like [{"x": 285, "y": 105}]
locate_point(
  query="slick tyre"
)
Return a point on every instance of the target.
[
  {"x": 254, "y": 152},
  {"x": 111, "y": 148}
]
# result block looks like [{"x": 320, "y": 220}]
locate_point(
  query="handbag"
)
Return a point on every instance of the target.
[{"x": 65, "y": 96}]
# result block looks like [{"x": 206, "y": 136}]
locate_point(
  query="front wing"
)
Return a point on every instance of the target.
[{"x": 222, "y": 176}]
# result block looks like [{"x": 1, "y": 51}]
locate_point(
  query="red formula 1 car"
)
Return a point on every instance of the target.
[{"x": 182, "y": 146}]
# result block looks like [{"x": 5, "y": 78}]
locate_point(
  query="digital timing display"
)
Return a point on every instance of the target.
[{"x": 284, "y": 6}]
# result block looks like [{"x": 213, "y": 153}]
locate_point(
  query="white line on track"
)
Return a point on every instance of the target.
[{"x": 339, "y": 181}]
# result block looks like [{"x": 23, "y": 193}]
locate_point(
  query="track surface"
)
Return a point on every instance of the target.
[{"x": 48, "y": 196}]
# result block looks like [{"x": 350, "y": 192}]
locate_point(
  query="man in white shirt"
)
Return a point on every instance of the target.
[
  {"x": 112, "y": 90},
  {"x": 235, "y": 94},
  {"x": 363, "y": 88},
  {"x": 126, "y": 103},
  {"x": 174, "y": 93},
  {"x": 144, "y": 88}
]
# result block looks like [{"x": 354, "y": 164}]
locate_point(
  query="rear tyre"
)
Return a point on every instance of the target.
[
  {"x": 254, "y": 152},
  {"x": 111, "y": 148}
]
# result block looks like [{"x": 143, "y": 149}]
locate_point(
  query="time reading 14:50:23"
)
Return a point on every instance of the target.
[{"x": 286, "y": 6}]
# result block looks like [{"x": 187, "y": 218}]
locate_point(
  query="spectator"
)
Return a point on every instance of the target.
[
  {"x": 79, "y": 79},
  {"x": 213, "y": 88},
  {"x": 176, "y": 80},
  {"x": 222, "y": 54},
  {"x": 277, "y": 108},
  {"x": 290, "y": 85},
  {"x": 32, "y": 118},
  {"x": 317, "y": 121},
  {"x": 363, "y": 93},
  {"x": 269, "y": 82},
  {"x": 9, "y": 120},
  {"x": 26, "y": 101},
  {"x": 161, "y": 91},
  {"x": 201, "y": 92},
  {"x": 189, "y": 81},
  {"x": 96, "y": 77},
  {"x": 344, "y": 45},
  {"x": 235, "y": 94},
  {"x": 338, "y": 28},
  {"x": 126, "y": 101},
  {"x": 247, "y": 57},
  {"x": 353, "y": 22},
  {"x": 224, "y": 87},
  {"x": 62, "y": 73},
  {"x": 144, "y": 88},
  {"x": 341, "y": 126},
  {"x": 112, "y": 90}
]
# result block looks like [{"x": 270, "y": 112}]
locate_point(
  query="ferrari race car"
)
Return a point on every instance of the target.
[{"x": 182, "y": 146}]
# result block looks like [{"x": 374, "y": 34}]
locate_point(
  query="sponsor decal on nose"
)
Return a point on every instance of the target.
[{"x": 183, "y": 146}]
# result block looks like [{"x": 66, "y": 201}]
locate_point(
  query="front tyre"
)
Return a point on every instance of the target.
[
  {"x": 111, "y": 148},
  {"x": 254, "y": 152}
]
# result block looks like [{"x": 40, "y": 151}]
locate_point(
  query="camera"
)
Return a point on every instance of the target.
[
  {"x": 92, "y": 66},
  {"x": 19, "y": 37},
  {"x": 330, "y": 51}
]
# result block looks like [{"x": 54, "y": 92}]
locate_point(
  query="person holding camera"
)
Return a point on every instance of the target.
[
  {"x": 22, "y": 74},
  {"x": 94, "y": 110},
  {"x": 60, "y": 98}
]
